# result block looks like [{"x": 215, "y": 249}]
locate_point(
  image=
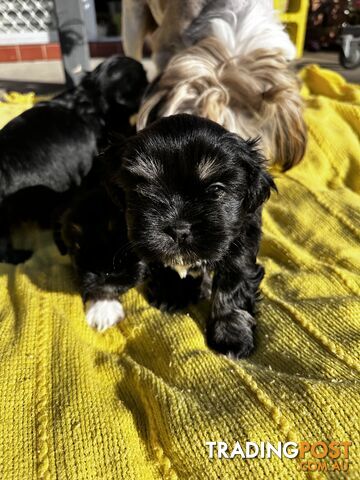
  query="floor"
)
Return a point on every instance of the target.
[
  {"x": 45, "y": 77},
  {"x": 42, "y": 77},
  {"x": 330, "y": 60}
]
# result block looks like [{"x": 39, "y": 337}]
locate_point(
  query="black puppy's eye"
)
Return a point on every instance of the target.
[{"x": 216, "y": 190}]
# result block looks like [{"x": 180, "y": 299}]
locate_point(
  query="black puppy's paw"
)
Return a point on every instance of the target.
[
  {"x": 169, "y": 293},
  {"x": 162, "y": 300},
  {"x": 232, "y": 334}
]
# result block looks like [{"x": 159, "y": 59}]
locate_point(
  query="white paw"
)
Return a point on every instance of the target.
[{"x": 102, "y": 314}]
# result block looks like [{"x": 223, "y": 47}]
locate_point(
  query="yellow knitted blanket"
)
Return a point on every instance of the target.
[{"x": 141, "y": 400}]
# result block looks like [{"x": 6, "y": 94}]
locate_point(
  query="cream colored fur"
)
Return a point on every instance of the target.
[{"x": 253, "y": 95}]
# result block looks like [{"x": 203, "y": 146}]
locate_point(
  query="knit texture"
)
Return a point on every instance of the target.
[{"x": 140, "y": 400}]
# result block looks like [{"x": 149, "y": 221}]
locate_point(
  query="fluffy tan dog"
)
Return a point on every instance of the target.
[
  {"x": 254, "y": 95},
  {"x": 232, "y": 67}
]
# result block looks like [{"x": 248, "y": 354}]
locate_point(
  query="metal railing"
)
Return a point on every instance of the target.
[{"x": 26, "y": 16}]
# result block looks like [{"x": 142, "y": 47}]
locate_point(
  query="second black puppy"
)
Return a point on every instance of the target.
[
  {"x": 53, "y": 144},
  {"x": 186, "y": 197}
]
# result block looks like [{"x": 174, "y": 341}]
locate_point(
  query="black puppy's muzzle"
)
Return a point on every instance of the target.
[{"x": 180, "y": 232}]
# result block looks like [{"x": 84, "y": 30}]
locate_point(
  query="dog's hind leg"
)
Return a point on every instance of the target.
[{"x": 136, "y": 23}]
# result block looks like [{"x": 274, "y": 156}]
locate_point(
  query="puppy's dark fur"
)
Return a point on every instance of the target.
[
  {"x": 53, "y": 145},
  {"x": 94, "y": 234},
  {"x": 183, "y": 191}
]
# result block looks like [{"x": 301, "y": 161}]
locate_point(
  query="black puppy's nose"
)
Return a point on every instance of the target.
[{"x": 180, "y": 231}]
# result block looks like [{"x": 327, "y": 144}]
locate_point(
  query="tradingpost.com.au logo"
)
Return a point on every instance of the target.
[{"x": 312, "y": 457}]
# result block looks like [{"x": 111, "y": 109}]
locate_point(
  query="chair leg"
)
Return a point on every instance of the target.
[{"x": 73, "y": 40}]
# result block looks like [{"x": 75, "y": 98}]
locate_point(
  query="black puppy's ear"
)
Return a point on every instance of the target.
[{"x": 259, "y": 181}]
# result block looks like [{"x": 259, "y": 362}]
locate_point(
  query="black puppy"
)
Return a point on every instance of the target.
[
  {"x": 53, "y": 145},
  {"x": 186, "y": 197}
]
